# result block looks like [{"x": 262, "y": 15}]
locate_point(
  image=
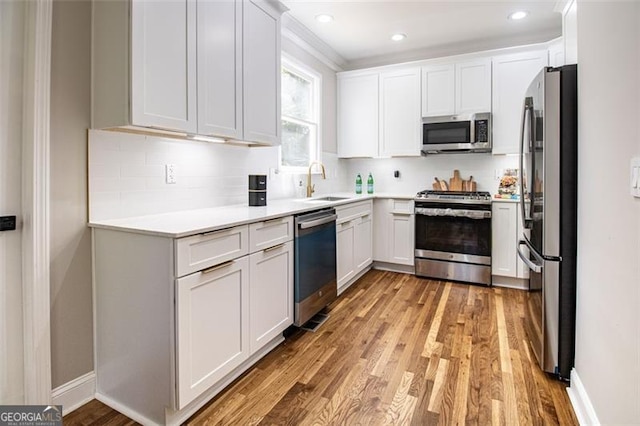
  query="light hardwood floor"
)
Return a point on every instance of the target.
[{"x": 396, "y": 350}]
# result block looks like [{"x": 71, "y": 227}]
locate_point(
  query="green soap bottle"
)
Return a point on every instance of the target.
[
  {"x": 370, "y": 184},
  {"x": 358, "y": 184}
]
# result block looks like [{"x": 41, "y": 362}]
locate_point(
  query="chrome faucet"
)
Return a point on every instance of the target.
[{"x": 311, "y": 188}]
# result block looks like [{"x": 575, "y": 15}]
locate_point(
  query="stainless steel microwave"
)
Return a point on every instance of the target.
[{"x": 457, "y": 133}]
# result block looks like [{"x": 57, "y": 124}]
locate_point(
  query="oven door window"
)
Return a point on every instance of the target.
[
  {"x": 450, "y": 132},
  {"x": 454, "y": 235}
]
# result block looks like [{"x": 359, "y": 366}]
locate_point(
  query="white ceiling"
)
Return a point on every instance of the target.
[{"x": 361, "y": 30}]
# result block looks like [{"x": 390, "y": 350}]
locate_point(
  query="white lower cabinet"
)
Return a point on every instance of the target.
[
  {"x": 179, "y": 319},
  {"x": 212, "y": 310},
  {"x": 506, "y": 231},
  {"x": 354, "y": 248},
  {"x": 394, "y": 231},
  {"x": 270, "y": 293}
]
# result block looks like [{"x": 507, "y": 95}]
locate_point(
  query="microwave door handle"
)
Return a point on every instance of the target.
[
  {"x": 472, "y": 130},
  {"x": 533, "y": 266}
]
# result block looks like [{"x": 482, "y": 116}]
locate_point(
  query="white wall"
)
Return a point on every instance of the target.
[
  {"x": 608, "y": 304},
  {"x": 70, "y": 243},
  {"x": 12, "y": 18}
]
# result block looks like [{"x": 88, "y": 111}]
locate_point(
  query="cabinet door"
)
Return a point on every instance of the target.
[
  {"x": 556, "y": 53},
  {"x": 220, "y": 68},
  {"x": 381, "y": 229},
  {"x": 438, "y": 90},
  {"x": 363, "y": 243},
  {"x": 504, "y": 239},
  {"x": 270, "y": 293},
  {"x": 473, "y": 86},
  {"x": 358, "y": 116},
  {"x": 212, "y": 314},
  {"x": 345, "y": 244},
  {"x": 163, "y": 64},
  {"x": 400, "y": 123},
  {"x": 402, "y": 238},
  {"x": 261, "y": 72},
  {"x": 512, "y": 75}
]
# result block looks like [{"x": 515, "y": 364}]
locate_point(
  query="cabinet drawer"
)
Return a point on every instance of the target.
[
  {"x": 202, "y": 251},
  {"x": 269, "y": 233},
  {"x": 353, "y": 211},
  {"x": 401, "y": 206}
]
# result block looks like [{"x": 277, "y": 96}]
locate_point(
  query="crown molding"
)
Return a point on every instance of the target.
[{"x": 300, "y": 35}]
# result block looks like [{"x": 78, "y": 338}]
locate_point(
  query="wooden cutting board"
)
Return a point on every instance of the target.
[
  {"x": 440, "y": 185},
  {"x": 455, "y": 183},
  {"x": 469, "y": 185}
]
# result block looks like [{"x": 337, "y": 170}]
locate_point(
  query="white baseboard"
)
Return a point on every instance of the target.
[
  {"x": 394, "y": 267},
  {"x": 76, "y": 393},
  {"x": 580, "y": 401},
  {"x": 509, "y": 282}
]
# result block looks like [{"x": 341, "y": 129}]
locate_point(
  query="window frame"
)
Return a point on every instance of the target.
[{"x": 295, "y": 67}]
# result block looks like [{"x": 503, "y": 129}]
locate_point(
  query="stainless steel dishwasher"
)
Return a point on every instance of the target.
[{"x": 315, "y": 279}]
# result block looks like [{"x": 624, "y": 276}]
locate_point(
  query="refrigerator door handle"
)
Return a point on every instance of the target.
[
  {"x": 537, "y": 268},
  {"x": 526, "y": 108}
]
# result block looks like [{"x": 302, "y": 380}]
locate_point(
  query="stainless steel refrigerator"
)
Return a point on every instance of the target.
[{"x": 548, "y": 184}]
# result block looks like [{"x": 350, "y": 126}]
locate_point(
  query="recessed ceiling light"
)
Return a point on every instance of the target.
[
  {"x": 398, "y": 37},
  {"x": 324, "y": 18},
  {"x": 521, "y": 14}
]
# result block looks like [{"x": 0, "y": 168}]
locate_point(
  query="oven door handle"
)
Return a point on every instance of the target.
[
  {"x": 535, "y": 267},
  {"x": 469, "y": 214}
]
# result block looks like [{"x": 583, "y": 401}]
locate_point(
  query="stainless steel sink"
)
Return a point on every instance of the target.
[{"x": 328, "y": 198}]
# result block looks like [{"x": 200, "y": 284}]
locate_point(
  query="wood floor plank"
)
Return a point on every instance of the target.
[{"x": 397, "y": 349}]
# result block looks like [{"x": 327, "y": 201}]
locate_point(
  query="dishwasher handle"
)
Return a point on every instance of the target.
[{"x": 317, "y": 222}]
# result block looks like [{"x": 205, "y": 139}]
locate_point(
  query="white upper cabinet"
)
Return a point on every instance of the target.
[
  {"x": 189, "y": 66},
  {"x": 512, "y": 75},
  {"x": 220, "y": 68},
  {"x": 400, "y": 133},
  {"x": 456, "y": 88},
  {"x": 261, "y": 72},
  {"x": 438, "y": 90},
  {"x": 379, "y": 114},
  {"x": 556, "y": 53},
  {"x": 358, "y": 105},
  {"x": 473, "y": 86},
  {"x": 163, "y": 65}
]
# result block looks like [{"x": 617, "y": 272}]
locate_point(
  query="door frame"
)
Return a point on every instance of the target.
[{"x": 35, "y": 203}]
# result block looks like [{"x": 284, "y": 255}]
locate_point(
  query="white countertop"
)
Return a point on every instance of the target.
[{"x": 192, "y": 222}]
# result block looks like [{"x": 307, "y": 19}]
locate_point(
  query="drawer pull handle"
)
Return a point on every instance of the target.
[
  {"x": 274, "y": 248},
  {"x": 272, "y": 221},
  {"x": 220, "y": 266}
]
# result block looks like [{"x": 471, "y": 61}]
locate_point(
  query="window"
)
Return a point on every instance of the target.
[{"x": 300, "y": 116}]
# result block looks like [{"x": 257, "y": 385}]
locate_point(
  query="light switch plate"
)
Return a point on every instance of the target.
[{"x": 634, "y": 177}]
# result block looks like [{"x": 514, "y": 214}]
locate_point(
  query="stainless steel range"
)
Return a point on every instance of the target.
[{"x": 453, "y": 236}]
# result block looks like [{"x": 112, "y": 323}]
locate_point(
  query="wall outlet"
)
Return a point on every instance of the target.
[
  {"x": 498, "y": 174},
  {"x": 170, "y": 173}
]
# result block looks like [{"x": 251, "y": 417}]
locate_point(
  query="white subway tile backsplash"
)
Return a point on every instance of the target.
[
  {"x": 105, "y": 170},
  {"x": 127, "y": 174},
  {"x": 141, "y": 170}
]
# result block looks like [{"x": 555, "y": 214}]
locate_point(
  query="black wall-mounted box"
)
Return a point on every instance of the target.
[
  {"x": 257, "y": 182},
  {"x": 258, "y": 190},
  {"x": 257, "y": 198}
]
